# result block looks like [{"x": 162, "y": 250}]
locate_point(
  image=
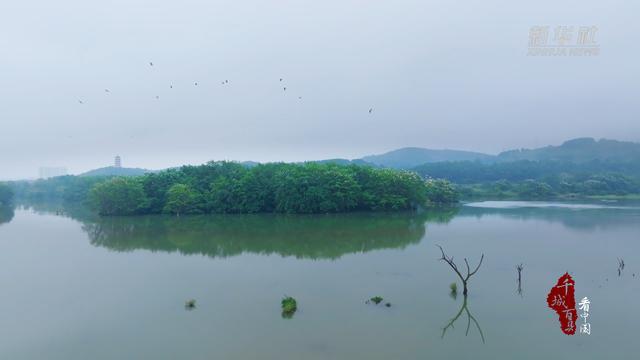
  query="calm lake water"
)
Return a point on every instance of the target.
[{"x": 76, "y": 286}]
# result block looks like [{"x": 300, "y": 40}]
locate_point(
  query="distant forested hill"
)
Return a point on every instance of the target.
[
  {"x": 472, "y": 172},
  {"x": 582, "y": 150},
  {"x": 410, "y": 157},
  {"x": 578, "y": 167},
  {"x": 115, "y": 171},
  {"x": 344, "y": 162},
  {"x": 578, "y": 151}
]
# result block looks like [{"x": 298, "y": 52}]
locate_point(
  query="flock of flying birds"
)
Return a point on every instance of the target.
[{"x": 224, "y": 82}]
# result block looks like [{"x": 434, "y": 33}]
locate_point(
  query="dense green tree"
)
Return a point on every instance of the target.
[
  {"x": 474, "y": 172},
  {"x": 441, "y": 192},
  {"x": 61, "y": 188},
  {"x": 534, "y": 189},
  {"x": 6, "y": 195},
  {"x": 226, "y": 187},
  {"x": 181, "y": 199},
  {"x": 226, "y": 195},
  {"x": 156, "y": 186},
  {"x": 119, "y": 196},
  {"x": 6, "y": 213},
  {"x": 316, "y": 188}
]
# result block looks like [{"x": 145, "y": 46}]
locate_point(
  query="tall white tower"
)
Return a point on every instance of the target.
[{"x": 118, "y": 162}]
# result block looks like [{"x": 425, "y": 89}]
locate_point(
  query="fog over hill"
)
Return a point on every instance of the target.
[
  {"x": 116, "y": 171},
  {"x": 576, "y": 150},
  {"x": 412, "y": 156}
]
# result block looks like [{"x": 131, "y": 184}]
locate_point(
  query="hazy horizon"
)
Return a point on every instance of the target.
[
  {"x": 436, "y": 75},
  {"x": 125, "y": 165}
]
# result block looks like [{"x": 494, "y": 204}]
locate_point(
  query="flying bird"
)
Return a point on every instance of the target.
[
  {"x": 170, "y": 86},
  {"x": 285, "y": 88},
  {"x": 370, "y": 110},
  {"x": 107, "y": 90},
  {"x": 196, "y": 84},
  {"x": 80, "y": 101},
  {"x": 280, "y": 79},
  {"x": 151, "y": 63},
  {"x": 157, "y": 97}
]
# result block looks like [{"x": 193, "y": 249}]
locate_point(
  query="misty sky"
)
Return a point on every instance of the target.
[{"x": 438, "y": 74}]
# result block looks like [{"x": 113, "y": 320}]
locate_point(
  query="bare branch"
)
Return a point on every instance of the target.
[
  {"x": 477, "y": 325},
  {"x": 453, "y": 320},
  {"x": 478, "y": 267},
  {"x": 468, "y": 270},
  {"x": 451, "y": 264},
  {"x": 470, "y": 318},
  {"x": 449, "y": 260}
]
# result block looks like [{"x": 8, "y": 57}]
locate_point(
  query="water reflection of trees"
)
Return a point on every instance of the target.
[
  {"x": 579, "y": 219},
  {"x": 79, "y": 212},
  {"x": 470, "y": 318},
  {"x": 6, "y": 214},
  {"x": 301, "y": 236}
]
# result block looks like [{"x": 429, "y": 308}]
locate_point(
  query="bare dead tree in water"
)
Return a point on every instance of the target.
[
  {"x": 519, "y": 268},
  {"x": 464, "y": 308},
  {"x": 620, "y": 266},
  {"x": 464, "y": 279}
]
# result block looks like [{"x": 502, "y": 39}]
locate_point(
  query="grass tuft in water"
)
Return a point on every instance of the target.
[
  {"x": 190, "y": 304},
  {"x": 453, "y": 287},
  {"x": 289, "y": 307},
  {"x": 376, "y": 300}
]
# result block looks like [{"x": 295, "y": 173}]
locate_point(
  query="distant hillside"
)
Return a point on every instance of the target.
[
  {"x": 115, "y": 171},
  {"x": 410, "y": 157},
  {"x": 578, "y": 151},
  {"x": 345, "y": 162},
  {"x": 471, "y": 172},
  {"x": 581, "y": 150}
]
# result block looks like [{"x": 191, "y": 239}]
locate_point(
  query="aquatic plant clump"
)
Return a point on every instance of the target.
[
  {"x": 289, "y": 307},
  {"x": 376, "y": 300},
  {"x": 453, "y": 287},
  {"x": 190, "y": 304}
]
